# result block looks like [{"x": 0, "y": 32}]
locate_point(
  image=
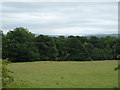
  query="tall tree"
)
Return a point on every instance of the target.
[
  {"x": 75, "y": 49},
  {"x": 46, "y": 47},
  {"x": 19, "y": 45},
  {"x": 61, "y": 47}
]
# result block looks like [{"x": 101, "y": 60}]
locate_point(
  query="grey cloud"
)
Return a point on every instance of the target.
[{"x": 55, "y": 17}]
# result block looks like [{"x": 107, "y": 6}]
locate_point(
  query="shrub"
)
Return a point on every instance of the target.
[{"x": 7, "y": 77}]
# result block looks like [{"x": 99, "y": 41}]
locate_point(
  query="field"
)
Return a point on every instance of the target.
[{"x": 46, "y": 74}]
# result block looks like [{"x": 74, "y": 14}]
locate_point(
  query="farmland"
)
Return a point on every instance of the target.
[{"x": 68, "y": 74}]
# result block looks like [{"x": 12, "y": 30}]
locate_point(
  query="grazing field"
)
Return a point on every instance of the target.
[{"x": 49, "y": 74}]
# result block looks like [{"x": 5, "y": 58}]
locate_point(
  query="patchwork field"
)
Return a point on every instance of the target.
[{"x": 48, "y": 74}]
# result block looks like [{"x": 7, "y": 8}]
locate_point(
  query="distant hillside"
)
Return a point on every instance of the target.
[
  {"x": 97, "y": 35},
  {"x": 102, "y": 35},
  {"x": 52, "y": 35}
]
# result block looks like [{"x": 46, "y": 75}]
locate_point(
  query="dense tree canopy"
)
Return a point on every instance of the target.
[
  {"x": 20, "y": 45},
  {"x": 46, "y": 47}
]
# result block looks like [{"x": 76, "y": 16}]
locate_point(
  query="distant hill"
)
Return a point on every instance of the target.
[
  {"x": 97, "y": 35},
  {"x": 102, "y": 35},
  {"x": 52, "y": 35}
]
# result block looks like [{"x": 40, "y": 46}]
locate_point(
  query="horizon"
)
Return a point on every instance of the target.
[{"x": 36, "y": 34}]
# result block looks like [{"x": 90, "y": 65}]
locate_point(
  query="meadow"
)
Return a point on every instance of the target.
[{"x": 68, "y": 74}]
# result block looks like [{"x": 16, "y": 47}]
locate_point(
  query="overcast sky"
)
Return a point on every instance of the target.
[{"x": 61, "y": 18}]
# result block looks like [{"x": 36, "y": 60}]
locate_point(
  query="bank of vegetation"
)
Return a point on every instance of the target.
[{"x": 20, "y": 45}]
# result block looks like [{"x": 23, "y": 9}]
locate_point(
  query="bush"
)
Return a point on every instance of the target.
[{"x": 7, "y": 77}]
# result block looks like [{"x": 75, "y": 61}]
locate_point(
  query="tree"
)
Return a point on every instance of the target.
[
  {"x": 19, "y": 46},
  {"x": 46, "y": 47},
  {"x": 75, "y": 49},
  {"x": 88, "y": 50},
  {"x": 117, "y": 49},
  {"x": 61, "y": 47},
  {"x": 97, "y": 42}
]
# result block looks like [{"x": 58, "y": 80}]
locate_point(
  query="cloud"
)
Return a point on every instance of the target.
[
  {"x": 60, "y": 1},
  {"x": 61, "y": 17}
]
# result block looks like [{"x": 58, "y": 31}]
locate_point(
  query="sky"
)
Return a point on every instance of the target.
[{"x": 61, "y": 18}]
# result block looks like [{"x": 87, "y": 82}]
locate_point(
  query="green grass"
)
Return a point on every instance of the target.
[{"x": 94, "y": 74}]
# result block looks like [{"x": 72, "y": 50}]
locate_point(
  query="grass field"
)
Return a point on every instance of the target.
[{"x": 45, "y": 74}]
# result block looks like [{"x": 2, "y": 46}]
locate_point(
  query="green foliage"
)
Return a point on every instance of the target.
[
  {"x": 46, "y": 47},
  {"x": 75, "y": 49},
  {"x": 7, "y": 77},
  {"x": 61, "y": 46},
  {"x": 117, "y": 49},
  {"x": 117, "y": 68},
  {"x": 20, "y": 45}
]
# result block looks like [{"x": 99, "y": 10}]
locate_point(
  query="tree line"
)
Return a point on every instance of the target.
[{"x": 20, "y": 45}]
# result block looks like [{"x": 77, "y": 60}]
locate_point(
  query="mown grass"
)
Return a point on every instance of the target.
[{"x": 49, "y": 74}]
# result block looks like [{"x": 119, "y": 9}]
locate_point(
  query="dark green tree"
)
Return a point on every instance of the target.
[
  {"x": 46, "y": 47},
  {"x": 19, "y": 46},
  {"x": 117, "y": 49},
  {"x": 75, "y": 49},
  {"x": 61, "y": 47}
]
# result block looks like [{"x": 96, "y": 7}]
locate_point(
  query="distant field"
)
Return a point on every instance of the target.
[{"x": 45, "y": 74}]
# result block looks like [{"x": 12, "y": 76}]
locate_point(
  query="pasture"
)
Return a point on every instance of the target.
[{"x": 68, "y": 74}]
